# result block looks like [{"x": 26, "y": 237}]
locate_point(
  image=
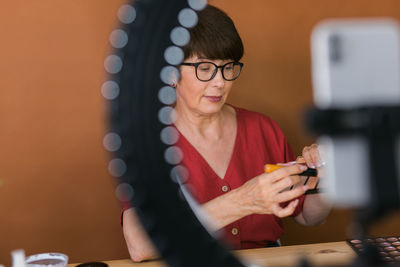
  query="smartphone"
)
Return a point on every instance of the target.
[{"x": 355, "y": 63}]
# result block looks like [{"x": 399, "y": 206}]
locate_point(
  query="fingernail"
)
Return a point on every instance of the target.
[
  {"x": 321, "y": 165},
  {"x": 303, "y": 167},
  {"x": 305, "y": 188}
]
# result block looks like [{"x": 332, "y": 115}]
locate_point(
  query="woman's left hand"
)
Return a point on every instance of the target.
[
  {"x": 311, "y": 157},
  {"x": 315, "y": 207}
]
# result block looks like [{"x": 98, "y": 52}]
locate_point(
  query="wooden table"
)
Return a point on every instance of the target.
[{"x": 334, "y": 253}]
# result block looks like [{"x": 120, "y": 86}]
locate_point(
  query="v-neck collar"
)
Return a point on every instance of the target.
[{"x": 204, "y": 161}]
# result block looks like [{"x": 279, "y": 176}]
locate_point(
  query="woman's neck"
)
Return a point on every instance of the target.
[{"x": 191, "y": 123}]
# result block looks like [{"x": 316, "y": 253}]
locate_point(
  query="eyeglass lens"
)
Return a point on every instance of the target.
[{"x": 206, "y": 71}]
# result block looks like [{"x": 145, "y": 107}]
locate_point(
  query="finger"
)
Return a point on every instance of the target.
[
  {"x": 315, "y": 154},
  {"x": 316, "y": 158},
  {"x": 307, "y": 155},
  {"x": 300, "y": 160},
  {"x": 286, "y": 171},
  {"x": 285, "y": 183},
  {"x": 287, "y": 211},
  {"x": 291, "y": 194}
]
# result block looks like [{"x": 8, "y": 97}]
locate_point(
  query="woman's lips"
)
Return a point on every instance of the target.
[{"x": 214, "y": 98}]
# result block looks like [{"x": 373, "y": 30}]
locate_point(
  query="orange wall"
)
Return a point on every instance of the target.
[{"x": 55, "y": 192}]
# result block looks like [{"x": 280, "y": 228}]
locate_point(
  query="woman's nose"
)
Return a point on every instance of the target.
[{"x": 219, "y": 77}]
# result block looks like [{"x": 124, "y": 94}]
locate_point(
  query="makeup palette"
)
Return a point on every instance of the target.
[{"x": 388, "y": 247}]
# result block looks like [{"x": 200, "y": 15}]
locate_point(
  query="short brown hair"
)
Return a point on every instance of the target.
[{"x": 214, "y": 36}]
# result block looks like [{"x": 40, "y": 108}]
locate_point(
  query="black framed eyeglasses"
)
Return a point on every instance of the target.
[{"x": 206, "y": 71}]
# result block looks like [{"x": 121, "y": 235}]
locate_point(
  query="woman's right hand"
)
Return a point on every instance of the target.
[{"x": 264, "y": 194}]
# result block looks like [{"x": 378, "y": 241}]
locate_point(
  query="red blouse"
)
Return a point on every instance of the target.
[{"x": 259, "y": 141}]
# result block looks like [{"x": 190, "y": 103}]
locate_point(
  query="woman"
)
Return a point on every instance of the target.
[{"x": 225, "y": 149}]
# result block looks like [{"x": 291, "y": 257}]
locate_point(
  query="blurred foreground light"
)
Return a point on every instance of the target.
[
  {"x": 118, "y": 38},
  {"x": 174, "y": 55},
  {"x": 179, "y": 174},
  {"x": 169, "y": 135},
  {"x": 188, "y": 18},
  {"x": 112, "y": 142},
  {"x": 124, "y": 192},
  {"x": 113, "y": 64},
  {"x": 127, "y": 14},
  {"x": 167, "y": 115},
  {"x": 110, "y": 90},
  {"x": 117, "y": 167},
  {"x": 173, "y": 155},
  {"x": 169, "y": 75},
  {"x": 180, "y": 36},
  {"x": 197, "y": 4},
  {"x": 167, "y": 95}
]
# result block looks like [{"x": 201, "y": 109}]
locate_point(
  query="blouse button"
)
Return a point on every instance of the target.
[
  {"x": 225, "y": 188},
  {"x": 235, "y": 231}
]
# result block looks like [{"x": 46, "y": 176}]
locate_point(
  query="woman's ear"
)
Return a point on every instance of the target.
[{"x": 175, "y": 76}]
